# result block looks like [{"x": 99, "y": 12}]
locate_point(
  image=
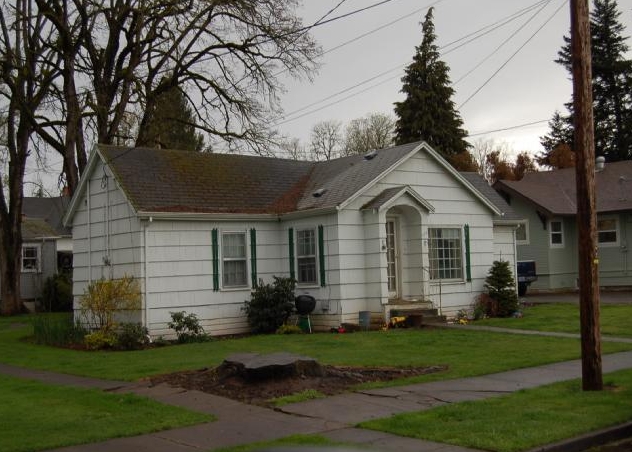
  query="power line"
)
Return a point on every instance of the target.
[
  {"x": 473, "y": 36},
  {"x": 504, "y": 129},
  {"x": 502, "y": 66}
]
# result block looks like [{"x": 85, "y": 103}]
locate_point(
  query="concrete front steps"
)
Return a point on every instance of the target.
[{"x": 415, "y": 312}]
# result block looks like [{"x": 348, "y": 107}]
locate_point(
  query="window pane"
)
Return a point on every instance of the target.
[
  {"x": 556, "y": 239},
  {"x": 306, "y": 243},
  {"x": 234, "y": 245},
  {"x": 607, "y": 225},
  {"x": 607, "y": 236},
  {"x": 29, "y": 258},
  {"x": 607, "y": 230},
  {"x": 556, "y": 226},
  {"x": 307, "y": 270},
  {"x": 445, "y": 253},
  {"x": 234, "y": 273},
  {"x": 521, "y": 233}
]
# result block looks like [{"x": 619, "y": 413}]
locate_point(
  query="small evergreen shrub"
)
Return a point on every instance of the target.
[
  {"x": 501, "y": 288},
  {"x": 99, "y": 340},
  {"x": 132, "y": 336},
  {"x": 187, "y": 327},
  {"x": 270, "y": 305},
  {"x": 57, "y": 293}
]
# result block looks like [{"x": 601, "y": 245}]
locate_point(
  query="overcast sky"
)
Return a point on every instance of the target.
[{"x": 528, "y": 87}]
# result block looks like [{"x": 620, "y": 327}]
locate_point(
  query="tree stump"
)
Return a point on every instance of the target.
[{"x": 256, "y": 367}]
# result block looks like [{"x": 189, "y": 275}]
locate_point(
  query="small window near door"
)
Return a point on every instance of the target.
[
  {"x": 607, "y": 229},
  {"x": 556, "y": 234},
  {"x": 234, "y": 268},
  {"x": 30, "y": 259},
  {"x": 522, "y": 234},
  {"x": 306, "y": 256},
  {"x": 446, "y": 253}
]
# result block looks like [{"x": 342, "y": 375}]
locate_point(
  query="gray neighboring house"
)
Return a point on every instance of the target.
[
  {"x": 547, "y": 201},
  {"x": 46, "y": 244},
  {"x": 397, "y": 228}
]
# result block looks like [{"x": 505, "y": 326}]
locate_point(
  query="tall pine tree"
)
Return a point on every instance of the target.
[
  {"x": 612, "y": 86},
  {"x": 428, "y": 112}
]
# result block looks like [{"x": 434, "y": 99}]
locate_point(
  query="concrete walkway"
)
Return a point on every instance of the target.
[{"x": 333, "y": 417}]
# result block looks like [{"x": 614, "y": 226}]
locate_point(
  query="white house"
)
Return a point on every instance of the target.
[{"x": 360, "y": 233}]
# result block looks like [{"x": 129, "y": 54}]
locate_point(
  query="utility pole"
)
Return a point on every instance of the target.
[{"x": 584, "y": 140}]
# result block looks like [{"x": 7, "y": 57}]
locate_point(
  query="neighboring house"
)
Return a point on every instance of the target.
[
  {"x": 371, "y": 233},
  {"x": 547, "y": 200},
  {"x": 46, "y": 244}
]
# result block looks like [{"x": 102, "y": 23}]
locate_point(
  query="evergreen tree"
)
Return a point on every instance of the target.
[
  {"x": 560, "y": 133},
  {"x": 612, "y": 84},
  {"x": 171, "y": 124},
  {"x": 428, "y": 112}
]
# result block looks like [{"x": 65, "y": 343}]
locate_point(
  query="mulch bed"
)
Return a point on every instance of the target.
[{"x": 336, "y": 380}]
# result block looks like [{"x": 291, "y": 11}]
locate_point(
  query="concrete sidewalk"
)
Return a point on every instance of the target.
[{"x": 333, "y": 417}]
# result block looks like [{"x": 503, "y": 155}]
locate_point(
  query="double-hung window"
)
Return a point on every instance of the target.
[
  {"x": 234, "y": 260},
  {"x": 30, "y": 258},
  {"x": 446, "y": 253},
  {"x": 607, "y": 231},
  {"x": 522, "y": 234},
  {"x": 306, "y": 256},
  {"x": 556, "y": 234}
]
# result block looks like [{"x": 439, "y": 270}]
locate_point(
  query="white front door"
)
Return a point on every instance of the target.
[{"x": 392, "y": 257}]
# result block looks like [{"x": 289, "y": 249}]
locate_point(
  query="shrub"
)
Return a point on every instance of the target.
[
  {"x": 270, "y": 305},
  {"x": 132, "y": 336},
  {"x": 187, "y": 327},
  {"x": 57, "y": 330},
  {"x": 100, "y": 339},
  {"x": 289, "y": 329},
  {"x": 105, "y": 298},
  {"x": 57, "y": 293},
  {"x": 501, "y": 287}
]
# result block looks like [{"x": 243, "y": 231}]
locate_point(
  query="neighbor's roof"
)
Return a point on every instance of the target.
[
  {"x": 49, "y": 210},
  {"x": 37, "y": 228},
  {"x": 555, "y": 191},
  {"x": 168, "y": 181},
  {"x": 508, "y": 214}
]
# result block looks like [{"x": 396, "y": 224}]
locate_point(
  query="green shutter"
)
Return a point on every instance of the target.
[
  {"x": 253, "y": 257},
  {"x": 215, "y": 260},
  {"x": 290, "y": 241},
  {"x": 468, "y": 268},
  {"x": 321, "y": 255}
]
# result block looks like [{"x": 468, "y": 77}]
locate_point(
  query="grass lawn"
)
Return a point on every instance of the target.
[
  {"x": 522, "y": 420},
  {"x": 38, "y": 416},
  {"x": 564, "y": 317},
  {"x": 465, "y": 352}
]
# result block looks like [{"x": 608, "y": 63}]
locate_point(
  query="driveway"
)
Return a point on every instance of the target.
[{"x": 605, "y": 297}]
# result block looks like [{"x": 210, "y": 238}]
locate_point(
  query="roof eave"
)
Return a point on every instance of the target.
[{"x": 206, "y": 216}]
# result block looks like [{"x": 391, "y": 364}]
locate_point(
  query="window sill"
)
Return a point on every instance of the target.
[
  {"x": 308, "y": 286},
  {"x": 436, "y": 282},
  {"x": 234, "y": 289}
]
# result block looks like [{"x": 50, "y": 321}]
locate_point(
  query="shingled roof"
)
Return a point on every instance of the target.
[
  {"x": 45, "y": 210},
  {"x": 508, "y": 214},
  {"x": 554, "y": 192},
  {"x": 167, "y": 181}
]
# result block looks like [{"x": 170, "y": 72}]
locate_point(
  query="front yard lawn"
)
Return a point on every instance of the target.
[
  {"x": 465, "y": 352},
  {"x": 564, "y": 318},
  {"x": 38, "y": 416},
  {"x": 521, "y": 420}
]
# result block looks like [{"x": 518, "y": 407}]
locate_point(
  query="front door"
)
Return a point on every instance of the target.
[{"x": 392, "y": 257}]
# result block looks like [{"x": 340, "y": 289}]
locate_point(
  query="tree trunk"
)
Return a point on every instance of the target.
[{"x": 592, "y": 379}]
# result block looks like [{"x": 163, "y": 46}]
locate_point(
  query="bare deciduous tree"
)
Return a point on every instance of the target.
[
  {"x": 119, "y": 57},
  {"x": 374, "y": 131},
  {"x": 27, "y": 73},
  {"x": 326, "y": 140}
]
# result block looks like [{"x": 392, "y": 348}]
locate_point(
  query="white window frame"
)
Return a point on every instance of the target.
[
  {"x": 616, "y": 231},
  {"x": 525, "y": 226},
  {"x": 314, "y": 256},
  {"x": 224, "y": 259},
  {"x": 434, "y": 273},
  {"x": 560, "y": 232},
  {"x": 38, "y": 258}
]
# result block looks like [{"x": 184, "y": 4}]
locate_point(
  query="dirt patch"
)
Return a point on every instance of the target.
[{"x": 336, "y": 380}]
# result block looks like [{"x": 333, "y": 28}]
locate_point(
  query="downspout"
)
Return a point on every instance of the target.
[
  {"x": 145, "y": 277},
  {"x": 89, "y": 234}
]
